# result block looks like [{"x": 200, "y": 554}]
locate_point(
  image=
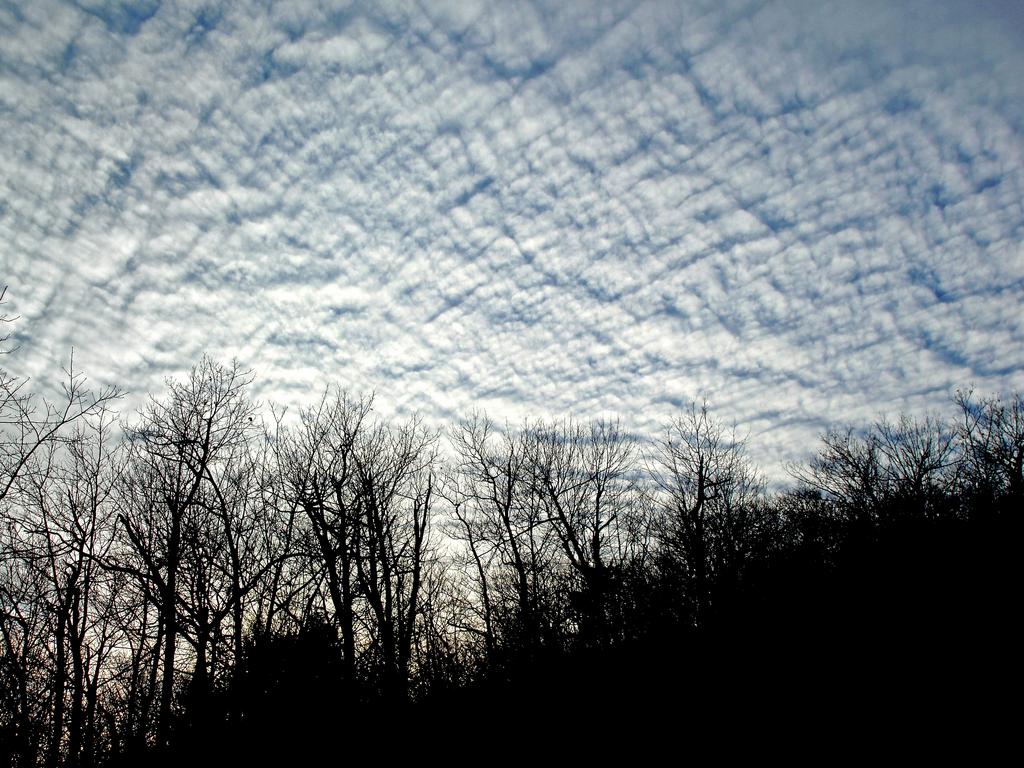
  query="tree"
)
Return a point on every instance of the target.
[
  {"x": 991, "y": 431},
  {"x": 23, "y": 632},
  {"x": 54, "y": 462},
  {"x": 708, "y": 493},
  {"x": 319, "y": 466},
  {"x": 182, "y": 451},
  {"x": 511, "y": 549},
  {"x": 585, "y": 477},
  {"x": 365, "y": 490},
  {"x": 393, "y": 498},
  {"x": 28, "y": 423},
  {"x": 893, "y": 470}
]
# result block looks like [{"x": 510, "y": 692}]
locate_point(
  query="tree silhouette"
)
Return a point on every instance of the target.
[
  {"x": 180, "y": 450},
  {"x": 709, "y": 496},
  {"x": 29, "y": 423},
  {"x": 209, "y": 578},
  {"x": 991, "y": 431}
]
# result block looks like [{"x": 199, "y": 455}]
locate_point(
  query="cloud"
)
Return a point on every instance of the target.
[{"x": 808, "y": 212}]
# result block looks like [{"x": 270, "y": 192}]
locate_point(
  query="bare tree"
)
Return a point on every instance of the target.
[
  {"x": 511, "y": 548},
  {"x": 319, "y": 466},
  {"x": 179, "y": 449},
  {"x": 24, "y": 625},
  {"x": 893, "y": 469},
  {"x": 992, "y": 433},
  {"x": 28, "y": 422},
  {"x": 707, "y": 493},
  {"x": 921, "y": 462},
  {"x": 848, "y": 470},
  {"x": 365, "y": 492},
  {"x": 394, "y": 502},
  {"x": 586, "y": 477},
  {"x": 69, "y": 525},
  {"x": 52, "y": 457}
]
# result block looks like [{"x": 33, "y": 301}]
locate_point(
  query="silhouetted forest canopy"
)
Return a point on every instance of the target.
[{"x": 204, "y": 570}]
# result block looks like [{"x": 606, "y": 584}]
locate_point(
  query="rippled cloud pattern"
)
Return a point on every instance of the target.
[{"x": 808, "y": 212}]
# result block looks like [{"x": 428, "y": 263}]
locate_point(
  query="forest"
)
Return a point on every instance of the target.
[{"x": 206, "y": 571}]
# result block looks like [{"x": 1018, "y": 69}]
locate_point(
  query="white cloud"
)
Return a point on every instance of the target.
[{"x": 806, "y": 212}]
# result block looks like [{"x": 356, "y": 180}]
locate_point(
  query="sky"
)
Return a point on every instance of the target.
[{"x": 808, "y": 213}]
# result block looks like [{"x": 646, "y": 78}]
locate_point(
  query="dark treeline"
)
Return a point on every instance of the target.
[{"x": 206, "y": 572}]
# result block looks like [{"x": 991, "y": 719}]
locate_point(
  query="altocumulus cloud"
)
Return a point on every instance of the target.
[{"x": 806, "y": 211}]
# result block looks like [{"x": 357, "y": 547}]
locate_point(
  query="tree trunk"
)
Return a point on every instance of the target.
[
  {"x": 59, "y": 685},
  {"x": 169, "y": 617}
]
